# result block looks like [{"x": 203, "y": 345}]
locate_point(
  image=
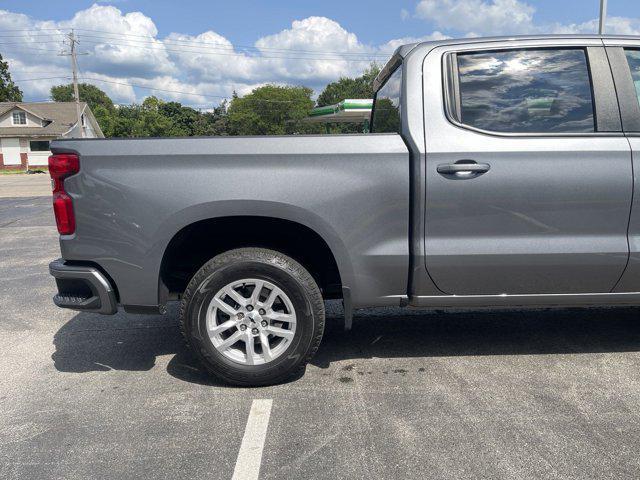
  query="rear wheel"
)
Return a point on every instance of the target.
[{"x": 253, "y": 316}]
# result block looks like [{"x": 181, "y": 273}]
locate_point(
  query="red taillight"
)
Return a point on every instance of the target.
[
  {"x": 63, "y": 210},
  {"x": 63, "y": 165}
]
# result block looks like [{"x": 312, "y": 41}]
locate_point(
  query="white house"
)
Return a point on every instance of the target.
[{"x": 27, "y": 128}]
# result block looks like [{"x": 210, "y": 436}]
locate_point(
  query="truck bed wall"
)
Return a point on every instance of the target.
[{"x": 132, "y": 196}]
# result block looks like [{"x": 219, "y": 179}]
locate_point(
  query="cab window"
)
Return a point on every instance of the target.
[{"x": 386, "y": 105}]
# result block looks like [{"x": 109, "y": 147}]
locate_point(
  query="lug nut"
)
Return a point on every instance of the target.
[
  {"x": 240, "y": 316},
  {"x": 264, "y": 323},
  {"x": 261, "y": 311},
  {"x": 254, "y": 331},
  {"x": 249, "y": 308},
  {"x": 243, "y": 327}
]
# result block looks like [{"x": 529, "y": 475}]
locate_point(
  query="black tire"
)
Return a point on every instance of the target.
[{"x": 284, "y": 272}]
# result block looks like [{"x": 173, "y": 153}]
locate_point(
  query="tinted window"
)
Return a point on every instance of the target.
[
  {"x": 633, "y": 57},
  {"x": 526, "y": 91},
  {"x": 39, "y": 146},
  {"x": 386, "y": 106}
]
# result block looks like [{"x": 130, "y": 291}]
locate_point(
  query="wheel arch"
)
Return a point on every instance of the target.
[{"x": 260, "y": 212}]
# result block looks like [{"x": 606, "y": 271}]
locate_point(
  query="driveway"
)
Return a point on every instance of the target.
[{"x": 496, "y": 394}]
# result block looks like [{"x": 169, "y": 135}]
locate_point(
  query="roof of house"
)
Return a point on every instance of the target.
[{"x": 62, "y": 115}]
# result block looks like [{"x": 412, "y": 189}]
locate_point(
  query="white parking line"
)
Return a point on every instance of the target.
[{"x": 250, "y": 454}]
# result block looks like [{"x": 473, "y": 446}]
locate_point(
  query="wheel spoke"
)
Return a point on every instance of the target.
[
  {"x": 225, "y": 307},
  {"x": 282, "y": 317},
  {"x": 249, "y": 340},
  {"x": 235, "y": 296},
  {"x": 223, "y": 327},
  {"x": 266, "y": 348},
  {"x": 268, "y": 303},
  {"x": 255, "y": 296},
  {"x": 280, "y": 332},
  {"x": 230, "y": 341}
]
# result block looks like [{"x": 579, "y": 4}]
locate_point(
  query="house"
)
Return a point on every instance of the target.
[{"x": 27, "y": 128}]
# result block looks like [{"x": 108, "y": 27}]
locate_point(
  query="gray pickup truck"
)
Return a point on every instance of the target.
[{"x": 499, "y": 172}]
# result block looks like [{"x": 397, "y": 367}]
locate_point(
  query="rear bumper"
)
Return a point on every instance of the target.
[{"x": 83, "y": 288}]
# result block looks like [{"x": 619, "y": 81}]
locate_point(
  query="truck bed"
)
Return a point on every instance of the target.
[{"x": 133, "y": 196}]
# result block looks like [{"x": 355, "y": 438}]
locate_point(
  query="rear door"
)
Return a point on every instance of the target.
[
  {"x": 528, "y": 176},
  {"x": 624, "y": 57}
]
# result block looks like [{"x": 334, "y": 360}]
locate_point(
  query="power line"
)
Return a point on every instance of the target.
[
  {"x": 166, "y": 39},
  {"x": 228, "y": 46},
  {"x": 208, "y": 50},
  {"x": 151, "y": 88},
  {"x": 11, "y": 43},
  {"x": 41, "y": 78},
  {"x": 182, "y": 92},
  {"x": 31, "y": 49},
  {"x": 32, "y": 29},
  {"x": 179, "y": 92},
  {"x": 36, "y": 35},
  {"x": 13, "y": 55},
  {"x": 236, "y": 54},
  {"x": 190, "y": 43},
  {"x": 151, "y": 40},
  {"x": 223, "y": 97}
]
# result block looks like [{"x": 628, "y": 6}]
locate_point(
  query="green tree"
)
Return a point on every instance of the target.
[
  {"x": 106, "y": 119},
  {"x": 387, "y": 116},
  {"x": 217, "y": 119},
  {"x": 153, "y": 118},
  {"x": 183, "y": 119},
  {"x": 88, "y": 93},
  {"x": 345, "y": 87},
  {"x": 99, "y": 102},
  {"x": 271, "y": 110},
  {"x": 9, "y": 91}
]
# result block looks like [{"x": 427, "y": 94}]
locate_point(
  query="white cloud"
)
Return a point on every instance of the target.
[
  {"x": 100, "y": 26},
  {"x": 210, "y": 57},
  {"x": 38, "y": 90},
  {"x": 313, "y": 51},
  {"x": 485, "y": 17},
  {"x": 38, "y": 43},
  {"x": 391, "y": 45},
  {"x": 335, "y": 51},
  {"x": 471, "y": 18},
  {"x": 125, "y": 48},
  {"x": 614, "y": 25},
  {"x": 117, "y": 88}
]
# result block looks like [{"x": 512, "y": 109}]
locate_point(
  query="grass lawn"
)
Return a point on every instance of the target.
[{"x": 23, "y": 172}]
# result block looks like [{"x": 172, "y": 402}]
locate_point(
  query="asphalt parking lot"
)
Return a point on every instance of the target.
[{"x": 495, "y": 394}]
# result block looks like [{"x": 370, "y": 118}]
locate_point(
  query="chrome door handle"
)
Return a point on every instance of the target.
[{"x": 462, "y": 167}]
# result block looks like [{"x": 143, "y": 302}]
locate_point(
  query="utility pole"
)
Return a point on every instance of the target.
[
  {"x": 73, "y": 53},
  {"x": 603, "y": 16}
]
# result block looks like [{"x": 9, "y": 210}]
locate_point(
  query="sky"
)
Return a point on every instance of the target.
[{"x": 199, "y": 52}]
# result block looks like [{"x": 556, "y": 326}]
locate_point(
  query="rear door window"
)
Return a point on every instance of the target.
[
  {"x": 633, "y": 58},
  {"x": 526, "y": 91}
]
